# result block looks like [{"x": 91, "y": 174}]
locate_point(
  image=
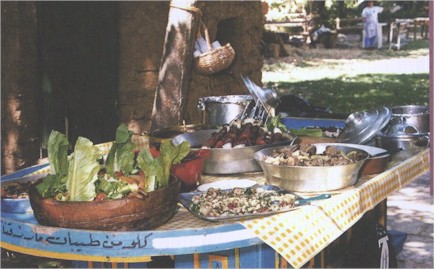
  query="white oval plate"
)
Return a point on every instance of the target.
[{"x": 227, "y": 184}]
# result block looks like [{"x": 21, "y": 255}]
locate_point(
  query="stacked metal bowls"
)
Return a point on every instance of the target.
[{"x": 407, "y": 132}]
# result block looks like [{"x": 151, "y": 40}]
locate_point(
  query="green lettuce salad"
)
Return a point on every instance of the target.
[{"x": 86, "y": 176}]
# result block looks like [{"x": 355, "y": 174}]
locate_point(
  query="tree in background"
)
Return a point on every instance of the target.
[{"x": 328, "y": 10}]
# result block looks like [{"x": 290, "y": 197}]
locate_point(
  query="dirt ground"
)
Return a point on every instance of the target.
[{"x": 347, "y": 59}]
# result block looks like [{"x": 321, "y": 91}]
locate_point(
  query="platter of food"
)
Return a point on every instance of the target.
[
  {"x": 15, "y": 194},
  {"x": 242, "y": 203}
]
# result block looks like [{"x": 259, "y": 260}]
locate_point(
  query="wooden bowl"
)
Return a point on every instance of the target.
[{"x": 126, "y": 214}]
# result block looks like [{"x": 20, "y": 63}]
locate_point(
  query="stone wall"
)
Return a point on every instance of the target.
[
  {"x": 86, "y": 86},
  {"x": 141, "y": 36},
  {"x": 142, "y": 33}
]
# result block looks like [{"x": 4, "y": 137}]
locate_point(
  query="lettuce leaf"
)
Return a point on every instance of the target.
[
  {"x": 55, "y": 182},
  {"x": 52, "y": 185},
  {"x": 114, "y": 189},
  {"x": 58, "y": 153},
  {"x": 151, "y": 167},
  {"x": 82, "y": 171},
  {"x": 171, "y": 154},
  {"x": 121, "y": 155},
  {"x": 157, "y": 170},
  {"x": 275, "y": 122}
]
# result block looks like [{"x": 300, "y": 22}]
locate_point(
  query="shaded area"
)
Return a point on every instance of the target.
[
  {"x": 350, "y": 94},
  {"x": 11, "y": 259},
  {"x": 410, "y": 210},
  {"x": 78, "y": 66}
]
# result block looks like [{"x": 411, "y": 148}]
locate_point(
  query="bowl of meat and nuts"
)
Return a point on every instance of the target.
[
  {"x": 232, "y": 147},
  {"x": 311, "y": 167}
]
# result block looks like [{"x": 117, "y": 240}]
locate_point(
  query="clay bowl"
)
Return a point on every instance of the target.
[
  {"x": 126, "y": 214},
  {"x": 375, "y": 164},
  {"x": 312, "y": 140}
]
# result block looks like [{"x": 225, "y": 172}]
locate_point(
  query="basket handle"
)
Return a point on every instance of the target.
[{"x": 207, "y": 36}]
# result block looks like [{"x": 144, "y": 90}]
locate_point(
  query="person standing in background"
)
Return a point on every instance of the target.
[{"x": 370, "y": 24}]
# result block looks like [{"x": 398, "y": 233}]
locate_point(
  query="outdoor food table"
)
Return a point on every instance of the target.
[{"x": 288, "y": 239}]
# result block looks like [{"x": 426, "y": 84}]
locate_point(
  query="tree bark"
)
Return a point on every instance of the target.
[
  {"x": 176, "y": 65},
  {"x": 20, "y": 139}
]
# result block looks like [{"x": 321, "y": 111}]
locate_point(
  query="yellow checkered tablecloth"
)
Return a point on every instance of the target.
[{"x": 299, "y": 235}]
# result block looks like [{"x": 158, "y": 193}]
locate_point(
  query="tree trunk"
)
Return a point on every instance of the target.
[
  {"x": 321, "y": 9},
  {"x": 19, "y": 95},
  {"x": 176, "y": 65},
  {"x": 340, "y": 9}
]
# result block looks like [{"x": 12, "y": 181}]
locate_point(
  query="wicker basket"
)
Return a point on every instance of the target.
[{"x": 214, "y": 60}]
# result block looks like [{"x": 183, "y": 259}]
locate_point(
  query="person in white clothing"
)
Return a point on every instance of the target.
[{"x": 370, "y": 22}]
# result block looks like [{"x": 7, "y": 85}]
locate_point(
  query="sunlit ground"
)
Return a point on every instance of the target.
[
  {"x": 334, "y": 68},
  {"x": 353, "y": 79}
]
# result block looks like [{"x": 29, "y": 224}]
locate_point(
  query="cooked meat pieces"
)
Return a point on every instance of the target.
[{"x": 306, "y": 155}]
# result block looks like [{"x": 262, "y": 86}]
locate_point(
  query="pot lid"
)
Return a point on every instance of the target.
[{"x": 360, "y": 127}]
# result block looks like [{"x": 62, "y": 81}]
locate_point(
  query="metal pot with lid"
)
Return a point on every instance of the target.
[
  {"x": 403, "y": 136},
  {"x": 220, "y": 110},
  {"x": 402, "y": 146},
  {"x": 415, "y": 115},
  {"x": 362, "y": 127}
]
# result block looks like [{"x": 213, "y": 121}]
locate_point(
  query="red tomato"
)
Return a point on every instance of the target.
[{"x": 100, "y": 196}]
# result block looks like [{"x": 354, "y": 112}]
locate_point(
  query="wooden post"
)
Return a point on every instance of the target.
[{"x": 176, "y": 64}]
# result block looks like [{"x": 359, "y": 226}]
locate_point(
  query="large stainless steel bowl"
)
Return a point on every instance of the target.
[
  {"x": 311, "y": 179},
  {"x": 226, "y": 161}
]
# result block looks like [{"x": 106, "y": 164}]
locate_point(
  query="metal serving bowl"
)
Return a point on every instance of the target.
[
  {"x": 226, "y": 161},
  {"x": 311, "y": 179},
  {"x": 377, "y": 161}
]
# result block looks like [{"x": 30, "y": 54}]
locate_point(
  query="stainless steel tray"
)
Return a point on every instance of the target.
[{"x": 186, "y": 200}]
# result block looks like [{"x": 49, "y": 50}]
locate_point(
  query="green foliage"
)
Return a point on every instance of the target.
[
  {"x": 58, "y": 153},
  {"x": 52, "y": 185},
  {"x": 121, "y": 155},
  {"x": 83, "y": 170},
  {"x": 348, "y": 9},
  {"x": 79, "y": 174},
  {"x": 157, "y": 170},
  {"x": 363, "y": 92}
]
